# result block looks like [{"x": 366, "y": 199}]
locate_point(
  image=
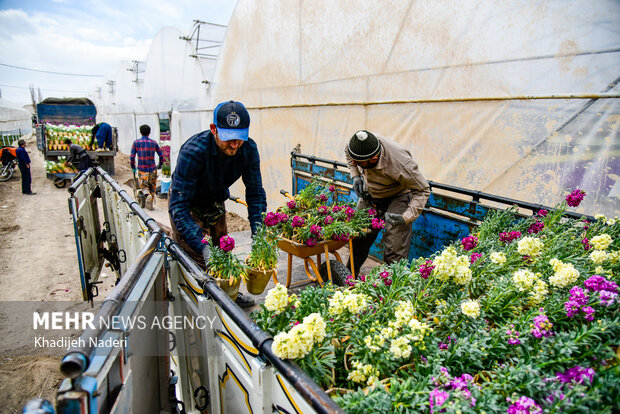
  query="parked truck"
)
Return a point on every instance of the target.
[
  {"x": 223, "y": 366},
  {"x": 61, "y": 118}
]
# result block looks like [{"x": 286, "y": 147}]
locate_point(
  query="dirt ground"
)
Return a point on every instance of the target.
[{"x": 38, "y": 263}]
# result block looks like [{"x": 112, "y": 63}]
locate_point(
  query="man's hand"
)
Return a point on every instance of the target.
[
  {"x": 394, "y": 219},
  {"x": 358, "y": 186},
  {"x": 206, "y": 254}
]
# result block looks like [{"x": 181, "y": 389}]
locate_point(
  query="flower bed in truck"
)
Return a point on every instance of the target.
[{"x": 522, "y": 316}]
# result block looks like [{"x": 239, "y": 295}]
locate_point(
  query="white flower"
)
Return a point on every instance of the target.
[
  {"x": 471, "y": 308},
  {"x": 530, "y": 246},
  {"x": 538, "y": 293},
  {"x": 600, "y": 217},
  {"x": 400, "y": 347},
  {"x": 601, "y": 242},
  {"x": 498, "y": 258},
  {"x": 449, "y": 265}
]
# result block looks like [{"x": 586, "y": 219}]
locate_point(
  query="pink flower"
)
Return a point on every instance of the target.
[
  {"x": 536, "y": 227},
  {"x": 378, "y": 224},
  {"x": 291, "y": 204},
  {"x": 311, "y": 242},
  {"x": 426, "y": 269},
  {"x": 283, "y": 217},
  {"x": 474, "y": 257},
  {"x": 332, "y": 188},
  {"x": 206, "y": 240},
  {"x": 543, "y": 213},
  {"x": 586, "y": 244},
  {"x": 349, "y": 211},
  {"x": 508, "y": 237},
  {"x": 322, "y": 197},
  {"x": 227, "y": 243},
  {"x": 437, "y": 398},
  {"x": 524, "y": 405},
  {"x": 316, "y": 230},
  {"x": 336, "y": 208},
  {"x": 328, "y": 220},
  {"x": 323, "y": 210},
  {"x": 271, "y": 219},
  {"x": 298, "y": 222},
  {"x": 372, "y": 212},
  {"x": 575, "y": 198},
  {"x": 469, "y": 242}
]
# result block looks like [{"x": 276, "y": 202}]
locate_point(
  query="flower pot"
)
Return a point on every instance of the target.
[
  {"x": 258, "y": 279},
  {"x": 231, "y": 290}
]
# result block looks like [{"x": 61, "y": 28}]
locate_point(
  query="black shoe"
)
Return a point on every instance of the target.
[
  {"x": 30, "y": 193},
  {"x": 244, "y": 301}
]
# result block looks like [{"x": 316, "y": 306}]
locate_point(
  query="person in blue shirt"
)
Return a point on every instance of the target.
[
  {"x": 23, "y": 162},
  {"x": 103, "y": 132},
  {"x": 146, "y": 148},
  {"x": 207, "y": 165}
]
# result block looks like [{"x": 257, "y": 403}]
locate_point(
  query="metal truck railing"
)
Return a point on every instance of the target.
[{"x": 205, "y": 354}]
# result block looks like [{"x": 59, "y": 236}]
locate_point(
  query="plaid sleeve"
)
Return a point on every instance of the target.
[
  {"x": 254, "y": 191},
  {"x": 182, "y": 191}
]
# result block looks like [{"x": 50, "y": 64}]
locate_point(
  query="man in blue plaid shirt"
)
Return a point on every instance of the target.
[
  {"x": 146, "y": 148},
  {"x": 207, "y": 165}
]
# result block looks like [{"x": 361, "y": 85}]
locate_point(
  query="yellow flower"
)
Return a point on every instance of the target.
[
  {"x": 524, "y": 279},
  {"x": 471, "y": 308},
  {"x": 538, "y": 293},
  {"x": 498, "y": 258},
  {"x": 530, "y": 246},
  {"x": 601, "y": 242},
  {"x": 277, "y": 299},
  {"x": 400, "y": 347},
  {"x": 565, "y": 274},
  {"x": 449, "y": 265},
  {"x": 598, "y": 256}
]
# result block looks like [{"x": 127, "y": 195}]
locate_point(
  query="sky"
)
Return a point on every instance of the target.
[{"x": 85, "y": 37}]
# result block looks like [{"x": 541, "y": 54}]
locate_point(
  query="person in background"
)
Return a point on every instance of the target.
[
  {"x": 146, "y": 148},
  {"x": 78, "y": 155},
  {"x": 103, "y": 132},
  {"x": 386, "y": 178},
  {"x": 23, "y": 162},
  {"x": 207, "y": 165}
]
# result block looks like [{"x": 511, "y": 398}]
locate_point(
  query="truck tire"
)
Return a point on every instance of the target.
[{"x": 339, "y": 272}]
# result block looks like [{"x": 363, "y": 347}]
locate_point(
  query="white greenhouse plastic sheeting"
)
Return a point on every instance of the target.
[
  {"x": 14, "y": 118},
  {"x": 515, "y": 98}
]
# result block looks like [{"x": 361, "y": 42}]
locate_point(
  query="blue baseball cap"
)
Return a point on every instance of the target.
[{"x": 232, "y": 121}]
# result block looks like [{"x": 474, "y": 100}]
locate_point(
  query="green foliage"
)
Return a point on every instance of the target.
[{"x": 264, "y": 253}]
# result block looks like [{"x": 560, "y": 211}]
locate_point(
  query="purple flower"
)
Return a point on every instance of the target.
[
  {"x": 332, "y": 188},
  {"x": 328, "y": 220},
  {"x": 378, "y": 224},
  {"x": 598, "y": 283},
  {"x": 589, "y": 311},
  {"x": 513, "y": 336},
  {"x": 271, "y": 219},
  {"x": 349, "y": 211},
  {"x": 575, "y": 198},
  {"x": 315, "y": 229},
  {"x": 524, "y": 405},
  {"x": 572, "y": 308},
  {"x": 283, "y": 217},
  {"x": 311, "y": 242},
  {"x": 227, "y": 243},
  {"x": 469, "y": 242},
  {"x": 443, "y": 346},
  {"x": 578, "y": 295},
  {"x": 543, "y": 213},
  {"x": 542, "y": 326},
  {"x": 372, "y": 212},
  {"x": 350, "y": 281},
  {"x": 607, "y": 298},
  {"x": 291, "y": 204},
  {"x": 336, "y": 208},
  {"x": 536, "y": 227},
  {"x": 586, "y": 224},
  {"x": 322, "y": 197},
  {"x": 437, "y": 398},
  {"x": 298, "y": 222},
  {"x": 508, "y": 237},
  {"x": 323, "y": 210},
  {"x": 576, "y": 375},
  {"x": 426, "y": 269},
  {"x": 474, "y": 257}
]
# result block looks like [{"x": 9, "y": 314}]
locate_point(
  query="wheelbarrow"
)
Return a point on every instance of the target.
[{"x": 60, "y": 179}]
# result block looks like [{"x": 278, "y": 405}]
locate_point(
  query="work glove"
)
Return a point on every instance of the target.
[
  {"x": 394, "y": 219},
  {"x": 358, "y": 186},
  {"x": 134, "y": 170},
  {"x": 206, "y": 254}
]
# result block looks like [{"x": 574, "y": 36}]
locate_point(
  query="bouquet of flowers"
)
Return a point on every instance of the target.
[
  {"x": 222, "y": 263},
  {"x": 522, "y": 316},
  {"x": 264, "y": 253},
  {"x": 313, "y": 215}
]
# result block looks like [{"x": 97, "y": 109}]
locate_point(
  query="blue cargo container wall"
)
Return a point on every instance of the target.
[{"x": 63, "y": 113}]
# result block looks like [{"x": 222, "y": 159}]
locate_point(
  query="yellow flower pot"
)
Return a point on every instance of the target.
[
  {"x": 231, "y": 290},
  {"x": 258, "y": 279}
]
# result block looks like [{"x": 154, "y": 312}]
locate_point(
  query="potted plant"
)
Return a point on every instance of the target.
[
  {"x": 262, "y": 261},
  {"x": 165, "y": 179},
  {"x": 225, "y": 267}
]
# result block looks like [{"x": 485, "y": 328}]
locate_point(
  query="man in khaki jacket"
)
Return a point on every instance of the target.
[{"x": 385, "y": 177}]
